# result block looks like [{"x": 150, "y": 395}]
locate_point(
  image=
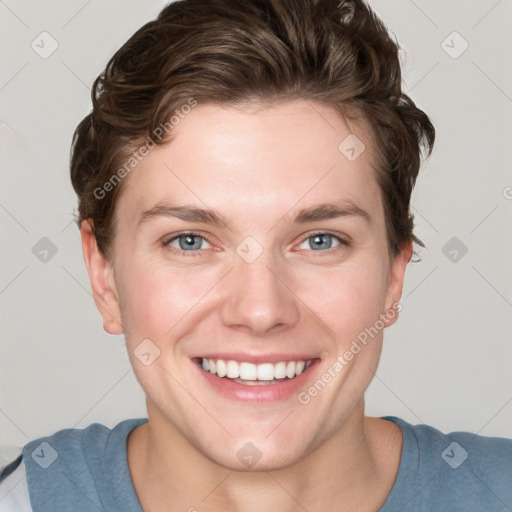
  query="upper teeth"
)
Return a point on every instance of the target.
[{"x": 249, "y": 371}]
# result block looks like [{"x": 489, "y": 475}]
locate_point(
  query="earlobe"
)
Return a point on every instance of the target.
[
  {"x": 396, "y": 282},
  {"x": 101, "y": 277}
]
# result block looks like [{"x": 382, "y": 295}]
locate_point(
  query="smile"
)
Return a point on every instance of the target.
[{"x": 254, "y": 374}]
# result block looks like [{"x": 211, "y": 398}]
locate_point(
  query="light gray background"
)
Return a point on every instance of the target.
[{"x": 447, "y": 361}]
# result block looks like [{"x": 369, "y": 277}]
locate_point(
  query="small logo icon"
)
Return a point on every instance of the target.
[
  {"x": 454, "y": 45},
  {"x": 44, "y": 250},
  {"x": 454, "y": 250},
  {"x": 146, "y": 352},
  {"x": 249, "y": 454},
  {"x": 352, "y": 147},
  {"x": 45, "y": 455},
  {"x": 249, "y": 249},
  {"x": 44, "y": 45},
  {"x": 454, "y": 455}
]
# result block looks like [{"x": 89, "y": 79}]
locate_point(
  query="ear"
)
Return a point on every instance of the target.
[
  {"x": 102, "y": 282},
  {"x": 396, "y": 283}
]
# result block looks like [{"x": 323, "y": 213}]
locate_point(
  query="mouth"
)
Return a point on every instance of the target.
[
  {"x": 250, "y": 374},
  {"x": 251, "y": 382}
]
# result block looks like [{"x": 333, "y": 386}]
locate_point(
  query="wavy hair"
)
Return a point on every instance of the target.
[{"x": 238, "y": 52}]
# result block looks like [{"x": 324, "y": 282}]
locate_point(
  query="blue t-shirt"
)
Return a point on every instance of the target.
[{"x": 86, "y": 470}]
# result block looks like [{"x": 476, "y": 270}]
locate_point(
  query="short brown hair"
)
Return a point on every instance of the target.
[{"x": 241, "y": 51}]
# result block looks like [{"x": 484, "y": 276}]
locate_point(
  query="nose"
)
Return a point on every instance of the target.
[{"x": 258, "y": 299}]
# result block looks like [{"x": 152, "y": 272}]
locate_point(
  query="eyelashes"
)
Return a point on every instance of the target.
[
  {"x": 189, "y": 237},
  {"x": 186, "y": 236},
  {"x": 319, "y": 234}
]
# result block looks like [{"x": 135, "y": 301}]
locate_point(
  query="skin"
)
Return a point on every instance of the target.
[{"x": 258, "y": 168}]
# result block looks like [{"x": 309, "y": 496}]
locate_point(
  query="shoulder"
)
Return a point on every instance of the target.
[
  {"x": 73, "y": 468},
  {"x": 460, "y": 469},
  {"x": 14, "y": 495},
  {"x": 72, "y": 443},
  {"x": 482, "y": 454}
]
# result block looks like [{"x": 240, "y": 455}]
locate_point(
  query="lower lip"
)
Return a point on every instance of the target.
[{"x": 282, "y": 390}]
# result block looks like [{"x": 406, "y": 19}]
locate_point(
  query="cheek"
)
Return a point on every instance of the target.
[
  {"x": 159, "y": 301},
  {"x": 154, "y": 297},
  {"x": 348, "y": 299}
]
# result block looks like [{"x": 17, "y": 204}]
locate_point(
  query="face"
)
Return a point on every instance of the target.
[{"x": 226, "y": 252}]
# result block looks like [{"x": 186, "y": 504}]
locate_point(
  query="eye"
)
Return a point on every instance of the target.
[
  {"x": 319, "y": 241},
  {"x": 191, "y": 242},
  {"x": 187, "y": 242}
]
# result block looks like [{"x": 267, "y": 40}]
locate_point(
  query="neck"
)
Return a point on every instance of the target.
[{"x": 349, "y": 470}]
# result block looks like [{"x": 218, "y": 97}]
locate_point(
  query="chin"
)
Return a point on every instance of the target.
[{"x": 253, "y": 454}]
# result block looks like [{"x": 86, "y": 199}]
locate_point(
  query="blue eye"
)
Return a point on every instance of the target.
[
  {"x": 189, "y": 242},
  {"x": 319, "y": 241},
  {"x": 193, "y": 243}
]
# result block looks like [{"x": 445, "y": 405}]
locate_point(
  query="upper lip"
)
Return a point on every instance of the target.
[{"x": 256, "y": 358}]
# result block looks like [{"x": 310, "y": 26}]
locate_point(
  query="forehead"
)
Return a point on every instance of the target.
[{"x": 257, "y": 163}]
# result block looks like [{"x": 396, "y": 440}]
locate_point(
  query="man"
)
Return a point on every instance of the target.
[{"x": 244, "y": 186}]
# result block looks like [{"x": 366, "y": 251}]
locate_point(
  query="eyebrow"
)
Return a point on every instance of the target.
[{"x": 323, "y": 211}]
